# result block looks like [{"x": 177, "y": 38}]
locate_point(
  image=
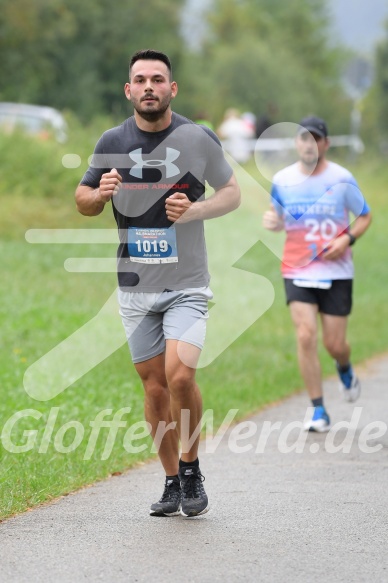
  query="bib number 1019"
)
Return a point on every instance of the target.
[
  {"x": 144, "y": 246},
  {"x": 152, "y": 245}
]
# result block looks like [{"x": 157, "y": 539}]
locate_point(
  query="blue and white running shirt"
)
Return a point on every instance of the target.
[{"x": 316, "y": 210}]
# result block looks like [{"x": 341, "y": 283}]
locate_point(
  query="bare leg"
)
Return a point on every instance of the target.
[
  {"x": 157, "y": 408},
  {"x": 184, "y": 394},
  {"x": 334, "y": 337},
  {"x": 304, "y": 317}
]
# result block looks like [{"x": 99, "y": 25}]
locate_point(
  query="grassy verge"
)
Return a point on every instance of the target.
[{"x": 42, "y": 304}]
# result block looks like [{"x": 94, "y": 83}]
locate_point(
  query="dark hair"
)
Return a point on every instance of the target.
[{"x": 150, "y": 55}]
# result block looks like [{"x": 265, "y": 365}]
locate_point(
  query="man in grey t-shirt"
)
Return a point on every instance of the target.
[{"x": 153, "y": 168}]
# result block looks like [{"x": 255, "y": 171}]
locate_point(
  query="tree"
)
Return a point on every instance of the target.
[
  {"x": 270, "y": 51},
  {"x": 72, "y": 54},
  {"x": 381, "y": 85}
]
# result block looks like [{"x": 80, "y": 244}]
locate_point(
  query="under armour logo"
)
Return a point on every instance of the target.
[{"x": 171, "y": 169}]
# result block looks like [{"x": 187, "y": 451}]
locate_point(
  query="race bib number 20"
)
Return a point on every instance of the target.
[{"x": 152, "y": 245}]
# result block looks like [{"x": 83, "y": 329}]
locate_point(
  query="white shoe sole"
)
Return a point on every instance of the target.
[
  {"x": 167, "y": 514},
  {"x": 191, "y": 515},
  {"x": 317, "y": 426},
  {"x": 352, "y": 394}
]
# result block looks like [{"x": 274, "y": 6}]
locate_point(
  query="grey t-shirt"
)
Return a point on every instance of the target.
[{"x": 155, "y": 254}]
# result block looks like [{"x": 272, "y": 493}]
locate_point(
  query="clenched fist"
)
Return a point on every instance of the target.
[
  {"x": 176, "y": 206},
  {"x": 272, "y": 221},
  {"x": 109, "y": 186}
]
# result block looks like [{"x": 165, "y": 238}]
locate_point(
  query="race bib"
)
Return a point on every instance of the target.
[
  {"x": 317, "y": 284},
  {"x": 152, "y": 245}
]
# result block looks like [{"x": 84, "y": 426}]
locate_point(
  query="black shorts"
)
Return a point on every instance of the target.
[{"x": 335, "y": 301}]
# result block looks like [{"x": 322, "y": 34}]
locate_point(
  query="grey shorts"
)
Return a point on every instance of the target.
[{"x": 152, "y": 318}]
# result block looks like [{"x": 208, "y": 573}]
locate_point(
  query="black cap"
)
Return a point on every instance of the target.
[{"x": 315, "y": 125}]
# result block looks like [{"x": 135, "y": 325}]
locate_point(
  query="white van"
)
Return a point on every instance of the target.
[{"x": 37, "y": 120}]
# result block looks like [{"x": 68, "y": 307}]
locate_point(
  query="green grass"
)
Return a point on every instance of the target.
[{"x": 42, "y": 304}]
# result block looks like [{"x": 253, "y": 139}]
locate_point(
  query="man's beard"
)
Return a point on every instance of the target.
[{"x": 156, "y": 115}]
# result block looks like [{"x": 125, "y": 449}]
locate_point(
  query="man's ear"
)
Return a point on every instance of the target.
[
  {"x": 174, "y": 89},
  {"x": 127, "y": 91}
]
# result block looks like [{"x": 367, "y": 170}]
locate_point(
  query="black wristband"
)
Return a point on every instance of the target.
[{"x": 352, "y": 239}]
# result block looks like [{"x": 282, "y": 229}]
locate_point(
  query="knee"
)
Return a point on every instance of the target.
[
  {"x": 157, "y": 396},
  {"x": 307, "y": 337},
  {"x": 179, "y": 384},
  {"x": 333, "y": 346}
]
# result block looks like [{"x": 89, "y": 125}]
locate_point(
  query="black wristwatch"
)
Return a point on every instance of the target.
[{"x": 352, "y": 239}]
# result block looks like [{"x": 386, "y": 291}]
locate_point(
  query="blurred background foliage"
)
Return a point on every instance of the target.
[{"x": 265, "y": 56}]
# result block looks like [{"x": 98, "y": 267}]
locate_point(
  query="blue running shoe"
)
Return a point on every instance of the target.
[
  {"x": 349, "y": 386},
  {"x": 320, "y": 421}
]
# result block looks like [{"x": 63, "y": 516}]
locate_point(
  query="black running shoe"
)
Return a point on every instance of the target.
[
  {"x": 170, "y": 502},
  {"x": 194, "y": 498}
]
